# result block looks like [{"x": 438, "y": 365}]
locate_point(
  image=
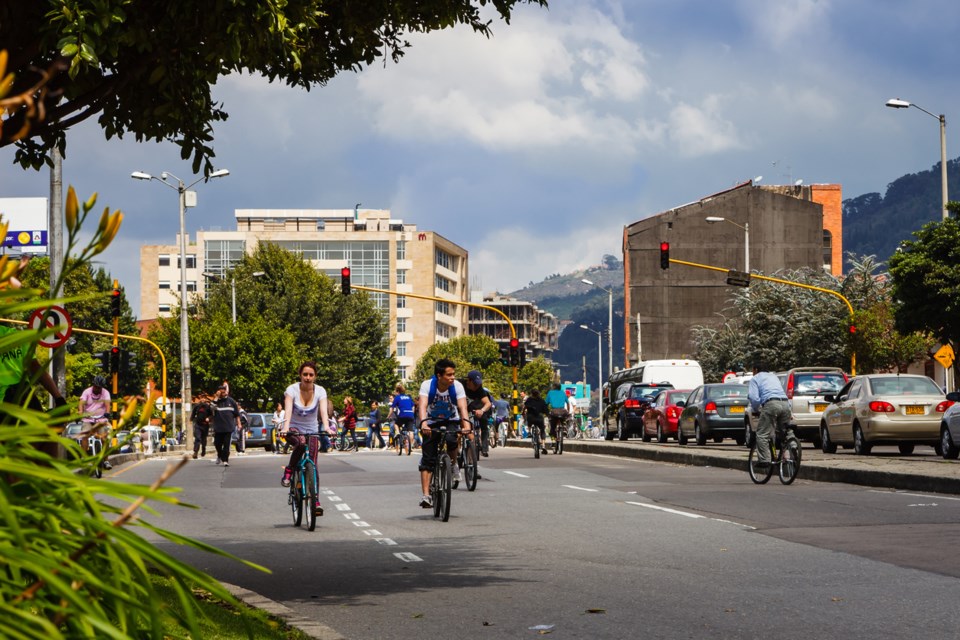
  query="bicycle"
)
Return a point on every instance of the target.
[
  {"x": 402, "y": 440},
  {"x": 441, "y": 483},
  {"x": 94, "y": 443},
  {"x": 536, "y": 433},
  {"x": 785, "y": 453},
  {"x": 503, "y": 431},
  {"x": 467, "y": 460},
  {"x": 558, "y": 435},
  {"x": 304, "y": 493}
]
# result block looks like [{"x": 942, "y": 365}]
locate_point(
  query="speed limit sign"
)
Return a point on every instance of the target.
[{"x": 55, "y": 316}]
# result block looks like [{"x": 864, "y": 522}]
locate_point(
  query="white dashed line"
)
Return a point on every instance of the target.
[
  {"x": 327, "y": 492},
  {"x": 570, "y": 486},
  {"x": 408, "y": 557},
  {"x": 352, "y": 516},
  {"x": 361, "y": 523},
  {"x": 659, "y": 508},
  {"x": 342, "y": 507},
  {"x": 335, "y": 499},
  {"x": 386, "y": 541},
  {"x": 914, "y": 495},
  {"x": 372, "y": 532},
  {"x": 514, "y": 473}
]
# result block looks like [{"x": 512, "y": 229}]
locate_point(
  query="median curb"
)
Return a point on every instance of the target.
[{"x": 893, "y": 474}]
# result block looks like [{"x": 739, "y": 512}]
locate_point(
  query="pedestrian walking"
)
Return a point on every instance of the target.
[
  {"x": 226, "y": 421},
  {"x": 349, "y": 424},
  {"x": 375, "y": 426},
  {"x": 201, "y": 415}
]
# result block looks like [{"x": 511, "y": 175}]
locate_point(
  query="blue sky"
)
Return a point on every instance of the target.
[{"x": 534, "y": 148}]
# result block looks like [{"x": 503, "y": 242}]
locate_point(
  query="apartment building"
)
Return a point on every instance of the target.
[
  {"x": 536, "y": 329},
  {"x": 382, "y": 252}
]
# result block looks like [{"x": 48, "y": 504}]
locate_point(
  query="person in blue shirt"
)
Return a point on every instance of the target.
[
  {"x": 401, "y": 409},
  {"x": 557, "y": 401},
  {"x": 769, "y": 401},
  {"x": 374, "y": 426}
]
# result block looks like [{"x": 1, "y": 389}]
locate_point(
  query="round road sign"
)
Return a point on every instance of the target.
[{"x": 56, "y": 316}]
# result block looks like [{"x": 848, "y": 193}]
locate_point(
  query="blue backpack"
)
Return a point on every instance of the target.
[{"x": 442, "y": 410}]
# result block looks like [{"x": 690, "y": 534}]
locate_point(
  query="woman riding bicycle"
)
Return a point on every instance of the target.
[{"x": 305, "y": 406}]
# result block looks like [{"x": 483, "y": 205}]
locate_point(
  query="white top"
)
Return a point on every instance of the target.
[
  {"x": 305, "y": 419},
  {"x": 442, "y": 397}
]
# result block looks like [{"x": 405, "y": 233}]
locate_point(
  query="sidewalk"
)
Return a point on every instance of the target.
[{"x": 923, "y": 471}]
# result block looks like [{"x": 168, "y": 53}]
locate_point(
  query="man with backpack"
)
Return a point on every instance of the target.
[{"x": 442, "y": 399}]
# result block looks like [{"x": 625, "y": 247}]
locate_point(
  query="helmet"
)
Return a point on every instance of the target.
[{"x": 99, "y": 381}]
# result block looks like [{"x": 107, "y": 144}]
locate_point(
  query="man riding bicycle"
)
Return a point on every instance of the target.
[
  {"x": 479, "y": 406},
  {"x": 501, "y": 412},
  {"x": 95, "y": 407},
  {"x": 442, "y": 400},
  {"x": 559, "y": 413},
  {"x": 767, "y": 398}
]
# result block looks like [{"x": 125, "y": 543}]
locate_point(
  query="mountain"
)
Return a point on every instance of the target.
[{"x": 875, "y": 224}]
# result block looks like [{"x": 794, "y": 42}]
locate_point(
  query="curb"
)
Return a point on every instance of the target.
[
  {"x": 814, "y": 470},
  {"x": 309, "y": 627}
]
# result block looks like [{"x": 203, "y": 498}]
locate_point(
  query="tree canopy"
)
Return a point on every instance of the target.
[{"x": 146, "y": 68}]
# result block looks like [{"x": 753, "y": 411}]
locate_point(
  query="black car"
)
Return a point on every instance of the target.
[
  {"x": 630, "y": 402},
  {"x": 714, "y": 411}
]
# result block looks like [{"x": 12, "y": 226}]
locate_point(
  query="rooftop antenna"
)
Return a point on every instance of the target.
[{"x": 356, "y": 215}]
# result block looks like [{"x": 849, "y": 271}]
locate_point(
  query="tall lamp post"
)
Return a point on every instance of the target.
[
  {"x": 746, "y": 237},
  {"x": 599, "y": 369},
  {"x": 609, "y": 321},
  {"x": 186, "y": 391},
  {"x": 233, "y": 288},
  {"x": 897, "y": 103}
]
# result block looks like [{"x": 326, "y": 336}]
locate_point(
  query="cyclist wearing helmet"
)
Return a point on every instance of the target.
[{"x": 94, "y": 407}]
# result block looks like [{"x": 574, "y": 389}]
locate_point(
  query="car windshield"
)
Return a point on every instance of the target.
[
  {"x": 645, "y": 393},
  {"x": 728, "y": 391},
  {"x": 817, "y": 384},
  {"x": 255, "y": 420},
  {"x": 903, "y": 386},
  {"x": 680, "y": 396}
]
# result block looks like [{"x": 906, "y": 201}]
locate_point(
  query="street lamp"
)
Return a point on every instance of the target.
[
  {"x": 746, "y": 237},
  {"x": 609, "y": 321},
  {"x": 599, "y": 368},
  {"x": 186, "y": 392},
  {"x": 897, "y": 103},
  {"x": 233, "y": 288}
]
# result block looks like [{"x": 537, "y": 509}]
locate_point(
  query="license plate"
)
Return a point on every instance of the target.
[
  {"x": 819, "y": 408},
  {"x": 914, "y": 411},
  {"x": 736, "y": 409}
]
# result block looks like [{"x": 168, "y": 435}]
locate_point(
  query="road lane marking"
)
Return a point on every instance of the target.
[
  {"x": 342, "y": 507},
  {"x": 386, "y": 541},
  {"x": 361, "y": 523},
  {"x": 406, "y": 556},
  {"x": 372, "y": 532},
  {"x": 352, "y": 516},
  {"x": 915, "y": 495},
  {"x": 570, "y": 486},
  {"x": 335, "y": 499},
  {"x": 514, "y": 473},
  {"x": 659, "y": 508},
  {"x": 327, "y": 492}
]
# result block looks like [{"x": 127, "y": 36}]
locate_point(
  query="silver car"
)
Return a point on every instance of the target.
[
  {"x": 950, "y": 428},
  {"x": 889, "y": 408}
]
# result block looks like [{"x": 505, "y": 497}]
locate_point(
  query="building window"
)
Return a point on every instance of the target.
[
  {"x": 164, "y": 284},
  {"x": 401, "y": 249},
  {"x": 446, "y": 260},
  {"x": 221, "y": 256},
  {"x": 827, "y": 250},
  {"x": 401, "y": 325},
  {"x": 164, "y": 259},
  {"x": 402, "y": 373},
  {"x": 443, "y": 307},
  {"x": 163, "y": 308},
  {"x": 401, "y": 276},
  {"x": 401, "y": 349},
  {"x": 191, "y": 285},
  {"x": 446, "y": 331},
  {"x": 191, "y": 262},
  {"x": 445, "y": 284},
  {"x": 401, "y": 302}
]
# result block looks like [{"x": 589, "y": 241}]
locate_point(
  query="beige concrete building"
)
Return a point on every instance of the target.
[
  {"x": 536, "y": 329},
  {"x": 381, "y": 252}
]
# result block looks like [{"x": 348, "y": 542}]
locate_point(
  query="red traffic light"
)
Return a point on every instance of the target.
[
  {"x": 345, "y": 272},
  {"x": 115, "y": 303},
  {"x": 853, "y": 329},
  {"x": 514, "y": 343},
  {"x": 664, "y": 255},
  {"x": 345, "y": 280}
]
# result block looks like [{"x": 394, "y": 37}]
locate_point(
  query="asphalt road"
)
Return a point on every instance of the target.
[{"x": 656, "y": 550}]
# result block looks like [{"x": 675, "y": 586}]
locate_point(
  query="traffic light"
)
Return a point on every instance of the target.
[
  {"x": 853, "y": 329},
  {"x": 514, "y": 352},
  {"x": 345, "y": 280},
  {"x": 114, "y": 359},
  {"x": 523, "y": 356},
  {"x": 664, "y": 255},
  {"x": 505, "y": 356},
  {"x": 103, "y": 360},
  {"x": 115, "y": 303},
  {"x": 128, "y": 362}
]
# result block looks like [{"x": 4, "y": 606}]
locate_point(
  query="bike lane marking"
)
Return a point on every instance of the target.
[
  {"x": 570, "y": 486},
  {"x": 367, "y": 529},
  {"x": 687, "y": 514},
  {"x": 514, "y": 473}
]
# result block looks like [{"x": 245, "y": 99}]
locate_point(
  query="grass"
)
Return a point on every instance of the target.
[{"x": 222, "y": 621}]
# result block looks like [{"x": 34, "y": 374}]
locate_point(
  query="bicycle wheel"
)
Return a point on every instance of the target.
[
  {"x": 558, "y": 440},
  {"x": 96, "y": 447},
  {"x": 470, "y": 464},
  {"x": 790, "y": 461},
  {"x": 310, "y": 493},
  {"x": 535, "y": 439},
  {"x": 296, "y": 500},
  {"x": 398, "y": 441},
  {"x": 446, "y": 487},
  {"x": 502, "y": 435},
  {"x": 435, "y": 481},
  {"x": 759, "y": 475}
]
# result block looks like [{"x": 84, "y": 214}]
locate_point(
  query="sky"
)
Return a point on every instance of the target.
[{"x": 534, "y": 148}]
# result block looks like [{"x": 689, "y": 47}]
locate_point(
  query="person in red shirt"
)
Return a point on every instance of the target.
[{"x": 349, "y": 422}]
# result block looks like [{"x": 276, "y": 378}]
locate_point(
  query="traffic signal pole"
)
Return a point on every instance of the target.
[
  {"x": 513, "y": 330},
  {"x": 791, "y": 283}
]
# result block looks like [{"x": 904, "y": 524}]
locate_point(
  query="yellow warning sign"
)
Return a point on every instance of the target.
[{"x": 944, "y": 356}]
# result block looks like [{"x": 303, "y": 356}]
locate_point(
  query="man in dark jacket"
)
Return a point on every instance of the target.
[
  {"x": 226, "y": 420},
  {"x": 201, "y": 416}
]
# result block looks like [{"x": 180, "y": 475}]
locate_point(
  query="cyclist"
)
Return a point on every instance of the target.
[
  {"x": 94, "y": 407},
  {"x": 534, "y": 410},
  {"x": 401, "y": 409},
  {"x": 557, "y": 401},
  {"x": 501, "y": 411},
  {"x": 305, "y": 405},
  {"x": 479, "y": 406},
  {"x": 442, "y": 398},
  {"x": 767, "y": 398}
]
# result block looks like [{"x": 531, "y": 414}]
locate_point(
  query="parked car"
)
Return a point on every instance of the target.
[
  {"x": 660, "y": 420},
  {"x": 260, "y": 431},
  {"x": 151, "y": 437},
  {"x": 630, "y": 402},
  {"x": 715, "y": 411},
  {"x": 890, "y": 408},
  {"x": 126, "y": 442},
  {"x": 72, "y": 430},
  {"x": 950, "y": 428}
]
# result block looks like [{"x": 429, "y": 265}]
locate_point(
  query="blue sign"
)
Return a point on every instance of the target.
[{"x": 25, "y": 239}]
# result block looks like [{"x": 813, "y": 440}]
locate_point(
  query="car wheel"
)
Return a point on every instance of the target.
[
  {"x": 740, "y": 439},
  {"x": 698, "y": 434},
  {"x": 681, "y": 438},
  {"x": 860, "y": 445},
  {"x": 622, "y": 429},
  {"x": 661, "y": 436},
  {"x": 608, "y": 434},
  {"x": 826, "y": 445},
  {"x": 747, "y": 434},
  {"x": 644, "y": 436},
  {"x": 948, "y": 449},
  {"x": 905, "y": 449},
  {"x": 717, "y": 439}
]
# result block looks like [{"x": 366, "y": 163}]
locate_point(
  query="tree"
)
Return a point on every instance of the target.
[
  {"x": 467, "y": 352},
  {"x": 147, "y": 69},
  {"x": 537, "y": 374}
]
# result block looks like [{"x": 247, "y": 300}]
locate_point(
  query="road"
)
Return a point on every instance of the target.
[{"x": 660, "y": 550}]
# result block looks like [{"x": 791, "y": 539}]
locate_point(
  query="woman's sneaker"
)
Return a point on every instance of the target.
[
  {"x": 287, "y": 474},
  {"x": 426, "y": 502}
]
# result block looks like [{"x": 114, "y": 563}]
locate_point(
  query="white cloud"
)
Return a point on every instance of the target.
[
  {"x": 782, "y": 23},
  {"x": 697, "y": 131}
]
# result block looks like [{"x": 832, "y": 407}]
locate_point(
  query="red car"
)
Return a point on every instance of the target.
[{"x": 660, "y": 420}]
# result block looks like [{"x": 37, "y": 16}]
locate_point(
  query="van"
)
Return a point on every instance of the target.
[{"x": 681, "y": 373}]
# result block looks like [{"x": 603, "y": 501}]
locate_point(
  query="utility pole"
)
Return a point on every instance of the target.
[{"x": 58, "y": 356}]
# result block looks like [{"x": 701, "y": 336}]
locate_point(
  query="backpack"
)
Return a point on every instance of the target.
[{"x": 441, "y": 410}]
